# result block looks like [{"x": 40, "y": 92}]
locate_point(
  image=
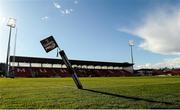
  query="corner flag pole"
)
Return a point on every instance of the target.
[
  {"x": 70, "y": 69},
  {"x": 50, "y": 44}
]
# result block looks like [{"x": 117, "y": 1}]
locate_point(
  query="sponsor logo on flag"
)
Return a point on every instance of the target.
[{"x": 49, "y": 43}]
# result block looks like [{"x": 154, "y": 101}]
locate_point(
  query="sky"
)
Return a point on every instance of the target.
[{"x": 97, "y": 30}]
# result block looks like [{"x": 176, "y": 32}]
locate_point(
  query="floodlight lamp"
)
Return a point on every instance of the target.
[
  {"x": 131, "y": 42},
  {"x": 11, "y": 22}
]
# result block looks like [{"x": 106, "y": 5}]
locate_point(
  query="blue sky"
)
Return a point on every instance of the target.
[{"x": 96, "y": 29}]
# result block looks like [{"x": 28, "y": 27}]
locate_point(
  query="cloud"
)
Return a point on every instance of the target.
[
  {"x": 76, "y": 2},
  {"x": 66, "y": 11},
  {"x": 3, "y": 37},
  {"x": 160, "y": 31},
  {"x": 45, "y": 18},
  {"x": 71, "y": 10},
  {"x": 2, "y": 20},
  {"x": 57, "y": 5},
  {"x": 170, "y": 63},
  {"x": 62, "y": 12}
]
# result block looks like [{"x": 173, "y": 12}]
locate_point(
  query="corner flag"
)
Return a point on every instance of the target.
[{"x": 49, "y": 44}]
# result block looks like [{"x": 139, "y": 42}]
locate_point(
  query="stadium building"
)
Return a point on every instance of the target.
[
  {"x": 48, "y": 67},
  {"x": 2, "y": 69}
]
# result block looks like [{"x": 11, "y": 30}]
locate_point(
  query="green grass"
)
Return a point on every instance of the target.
[{"x": 112, "y": 92}]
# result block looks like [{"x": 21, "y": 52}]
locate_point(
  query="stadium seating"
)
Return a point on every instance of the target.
[
  {"x": 63, "y": 72},
  {"x": 21, "y": 72},
  {"x": 172, "y": 72}
]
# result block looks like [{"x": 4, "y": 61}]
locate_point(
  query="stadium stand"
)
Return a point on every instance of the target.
[
  {"x": 157, "y": 72},
  {"x": 46, "y": 67},
  {"x": 2, "y": 69},
  {"x": 172, "y": 72}
]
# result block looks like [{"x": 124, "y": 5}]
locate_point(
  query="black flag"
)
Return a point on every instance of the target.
[{"x": 49, "y": 43}]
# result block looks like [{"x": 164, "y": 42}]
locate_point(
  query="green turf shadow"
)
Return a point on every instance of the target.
[{"x": 129, "y": 97}]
